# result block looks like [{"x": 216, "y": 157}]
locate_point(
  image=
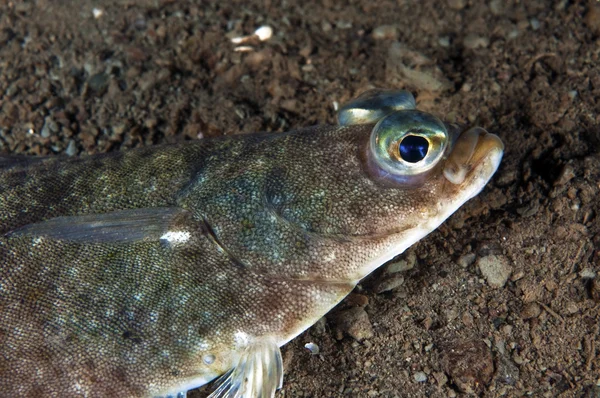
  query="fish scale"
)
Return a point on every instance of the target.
[{"x": 150, "y": 272}]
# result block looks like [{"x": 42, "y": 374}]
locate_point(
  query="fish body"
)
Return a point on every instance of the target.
[{"x": 149, "y": 272}]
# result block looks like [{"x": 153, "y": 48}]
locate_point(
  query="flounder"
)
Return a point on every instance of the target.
[{"x": 150, "y": 272}]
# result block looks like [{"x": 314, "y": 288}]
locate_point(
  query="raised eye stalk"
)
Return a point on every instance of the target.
[{"x": 371, "y": 106}]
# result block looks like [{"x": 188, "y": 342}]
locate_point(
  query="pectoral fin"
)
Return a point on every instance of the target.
[
  {"x": 117, "y": 226},
  {"x": 11, "y": 161},
  {"x": 180, "y": 394},
  {"x": 257, "y": 374}
]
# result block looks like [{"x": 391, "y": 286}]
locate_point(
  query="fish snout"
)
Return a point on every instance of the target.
[{"x": 474, "y": 158}]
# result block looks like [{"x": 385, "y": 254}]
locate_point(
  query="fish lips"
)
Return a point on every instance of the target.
[{"x": 473, "y": 158}]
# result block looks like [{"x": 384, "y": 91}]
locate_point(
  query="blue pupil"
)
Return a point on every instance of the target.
[{"x": 413, "y": 148}]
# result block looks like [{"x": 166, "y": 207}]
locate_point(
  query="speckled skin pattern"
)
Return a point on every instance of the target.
[{"x": 281, "y": 227}]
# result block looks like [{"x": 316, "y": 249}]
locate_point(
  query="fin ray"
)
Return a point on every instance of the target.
[
  {"x": 180, "y": 394},
  {"x": 8, "y": 161},
  {"x": 117, "y": 226},
  {"x": 257, "y": 374}
]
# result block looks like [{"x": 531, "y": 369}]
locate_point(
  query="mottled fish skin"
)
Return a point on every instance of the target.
[{"x": 257, "y": 237}]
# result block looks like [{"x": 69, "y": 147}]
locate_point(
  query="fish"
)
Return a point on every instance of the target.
[{"x": 153, "y": 271}]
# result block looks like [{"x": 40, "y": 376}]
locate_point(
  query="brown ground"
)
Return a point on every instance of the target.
[{"x": 152, "y": 71}]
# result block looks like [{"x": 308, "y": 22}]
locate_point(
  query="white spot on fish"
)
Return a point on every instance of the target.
[
  {"x": 203, "y": 345},
  {"x": 329, "y": 257},
  {"x": 176, "y": 238},
  {"x": 241, "y": 339},
  {"x": 221, "y": 276},
  {"x": 77, "y": 387},
  {"x": 209, "y": 359}
]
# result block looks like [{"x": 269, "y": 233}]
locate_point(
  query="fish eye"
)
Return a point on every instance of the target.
[
  {"x": 413, "y": 148},
  {"x": 408, "y": 143}
]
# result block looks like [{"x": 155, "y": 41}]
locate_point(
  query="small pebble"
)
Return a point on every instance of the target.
[
  {"x": 49, "y": 127},
  {"x": 566, "y": 174},
  {"x": 507, "y": 372},
  {"x": 517, "y": 276},
  {"x": 420, "y": 377},
  {"x": 441, "y": 378},
  {"x": 356, "y": 300},
  {"x": 390, "y": 283},
  {"x": 587, "y": 273},
  {"x": 140, "y": 22},
  {"x": 255, "y": 59},
  {"x": 98, "y": 83},
  {"x": 71, "y": 148},
  {"x": 45, "y": 133},
  {"x": 469, "y": 364},
  {"x": 343, "y": 24},
  {"x": 444, "y": 41},
  {"x": 385, "y": 32},
  {"x": 573, "y": 94},
  {"x": 495, "y": 269},
  {"x": 427, "y": 322},
  {"x": 457, "y": 4},
  {"x": 531, "y": 310},
  {"x": 513, "y": 34},
  {"x": 312, "y": 348},
  {"x": 355, "y": 322},
  {"x": 592, "y": 19},
  {"x": 465, "y": 260},
  {"x": 474, "y": 41},
  {"x": 414, "y": 69},
  {"x": 403, "y": 265},
  {"x": 572, "y": 308}
]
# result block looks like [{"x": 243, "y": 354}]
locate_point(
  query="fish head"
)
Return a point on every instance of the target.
[
  {"x": 336, "y": 202},
  {"x": 305, "y": 215},
  {"x": 418, "y": 171}
]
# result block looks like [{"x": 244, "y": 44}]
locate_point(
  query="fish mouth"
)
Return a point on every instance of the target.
[{"x": 475, "y": 156}]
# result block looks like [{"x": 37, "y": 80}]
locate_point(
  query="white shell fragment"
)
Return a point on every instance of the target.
[
  {"x": 97, "y": 12},
  {"x": 312, "y": 348},
  {"x": 263, "y": 33},
  {"x": 243, "y": 49}
]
